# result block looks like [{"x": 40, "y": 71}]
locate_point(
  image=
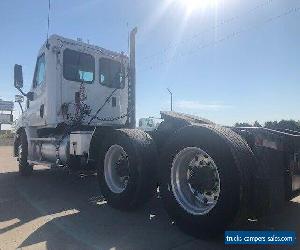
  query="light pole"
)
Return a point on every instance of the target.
[{"x": 171, "y": 95}]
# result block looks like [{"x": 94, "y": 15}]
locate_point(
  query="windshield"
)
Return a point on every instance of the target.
[
  {"x": 110, "y": 73},
  {"x": 39, "y": 75},
  {"x": 78, "y": 66}
]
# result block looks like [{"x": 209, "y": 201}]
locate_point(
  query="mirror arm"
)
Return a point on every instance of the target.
[
  {"x": 22, "y": 92},
  {"x": 21, "y": 107}
]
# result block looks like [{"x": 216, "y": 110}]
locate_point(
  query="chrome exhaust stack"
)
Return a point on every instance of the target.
[{"x": 132, "y": 82}]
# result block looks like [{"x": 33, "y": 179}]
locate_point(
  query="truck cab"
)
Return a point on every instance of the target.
[{"x": 69, "y": 71}]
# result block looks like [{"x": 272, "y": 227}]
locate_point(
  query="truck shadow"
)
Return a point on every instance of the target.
[
  {"x": 72, "y": 209},
  {"x": 68, "y": 212}
]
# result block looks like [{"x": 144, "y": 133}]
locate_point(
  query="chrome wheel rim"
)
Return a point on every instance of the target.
[
  {"x": 116, "y": 169},
  {"x": 195, "y": 181}
]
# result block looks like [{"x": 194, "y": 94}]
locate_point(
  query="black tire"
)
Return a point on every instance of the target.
[
  {"x": 25, "y": 169},
  {"x": 234, "y": 160},
  {"x": 165, "y": 130},
  {"x": 142, "y": 158}
]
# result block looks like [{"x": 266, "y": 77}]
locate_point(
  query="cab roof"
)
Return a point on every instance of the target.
[{"x": 60, "y": 40}]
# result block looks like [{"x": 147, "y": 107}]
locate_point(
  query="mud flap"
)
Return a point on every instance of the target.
[{"x": 269, "y": 190}]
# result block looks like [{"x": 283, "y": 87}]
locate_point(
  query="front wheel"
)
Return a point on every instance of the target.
[
  {"x": 127, "y": 168},
  {"x": 25, "y": 168}
]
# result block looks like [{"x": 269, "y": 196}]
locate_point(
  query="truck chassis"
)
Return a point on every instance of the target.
[{"x": 209, "y": 177}]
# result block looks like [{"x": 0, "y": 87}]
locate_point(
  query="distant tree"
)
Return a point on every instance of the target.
[
  {"x": 256, "y": 124},
  {"x": 271, "y": 125},
  {"x": 242, "y": 124},
  {"x": 284, "y": 125},
  {"x": 281, "y": 125}
]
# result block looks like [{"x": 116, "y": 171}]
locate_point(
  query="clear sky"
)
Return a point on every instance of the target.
[{"x": 225, "y": 60}]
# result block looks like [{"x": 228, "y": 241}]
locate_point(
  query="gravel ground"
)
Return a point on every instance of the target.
[{"x": 55, "y": 210}]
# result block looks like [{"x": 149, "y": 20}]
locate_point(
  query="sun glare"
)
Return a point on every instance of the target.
[{"x": 193, "y": 5}]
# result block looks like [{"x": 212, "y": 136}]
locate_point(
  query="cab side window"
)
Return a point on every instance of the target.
[
  {"x": 111, "y": 73},
  {"x": 39, "y": 74},
  {"x": 78, "y": 66}
]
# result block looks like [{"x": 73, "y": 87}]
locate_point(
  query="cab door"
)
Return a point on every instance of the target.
[{"x": 36, "y": 107}]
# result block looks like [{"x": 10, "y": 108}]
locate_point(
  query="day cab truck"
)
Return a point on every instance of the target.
[{"x": 80, "y": 114}]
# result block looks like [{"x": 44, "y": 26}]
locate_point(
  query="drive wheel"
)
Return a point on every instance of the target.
[
  {"x": 25, "y": 168},
  {"x": 204, "y": 178},
  {"x": 127, "y": 168}
]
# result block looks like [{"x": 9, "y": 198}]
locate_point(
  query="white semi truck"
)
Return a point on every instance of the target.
[
  {"x": 148, "y": 124},
  {"x": 80, "y": 113}
]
